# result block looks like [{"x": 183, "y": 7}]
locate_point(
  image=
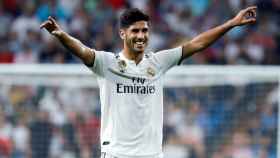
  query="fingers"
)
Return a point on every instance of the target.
[
  {"x": 251, "y": 8},
  {"x": 44, "y": 24},
  {"x": 254, "y": 12},
  {"x": 250, "y": 11},
  {"x": 50, "y": 25},
  {"x": 249, "y": 15},
  {"x": 51, "y": 19},
  {"x": 249, "y": 21}
]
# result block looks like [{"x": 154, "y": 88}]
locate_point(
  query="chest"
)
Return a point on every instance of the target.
[{"x": 144, "y": 73}]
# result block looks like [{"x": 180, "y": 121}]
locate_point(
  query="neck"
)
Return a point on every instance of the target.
[{"x": 135, "y": 56}]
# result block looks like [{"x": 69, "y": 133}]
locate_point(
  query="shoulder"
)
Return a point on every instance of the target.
[
  {"x": 171, "y": 50},
  {"x": 169, "y": 57},
  {"x": 101, "y": 58},
  {"x": 105, "y": 54}
]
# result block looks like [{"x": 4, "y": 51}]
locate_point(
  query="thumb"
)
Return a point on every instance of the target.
[{"x": 250, "y": 21}]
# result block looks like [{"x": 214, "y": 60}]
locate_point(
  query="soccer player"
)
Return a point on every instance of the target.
[{"x": 130, "y": 81}]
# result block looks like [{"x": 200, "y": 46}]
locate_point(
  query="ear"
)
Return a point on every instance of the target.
[{"x": 122, "y": 33}]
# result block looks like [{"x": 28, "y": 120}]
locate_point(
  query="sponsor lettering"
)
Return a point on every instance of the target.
[{"x": 136, "y": 87}]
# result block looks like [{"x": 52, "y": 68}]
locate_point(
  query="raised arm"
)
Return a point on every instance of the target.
[
  {"x": 202, "y": 41},
  {"x": 75, "y": 46}
]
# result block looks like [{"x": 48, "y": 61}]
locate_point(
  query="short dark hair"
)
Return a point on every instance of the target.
[{"x": 130, "y": 16}]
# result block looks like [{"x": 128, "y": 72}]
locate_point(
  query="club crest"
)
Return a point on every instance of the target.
[
  {"x": 151, "y": 72},
  {"x": 122, "y": 66}
]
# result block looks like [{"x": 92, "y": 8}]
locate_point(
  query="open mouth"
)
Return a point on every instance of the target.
[{"x": 140, "y": 43}]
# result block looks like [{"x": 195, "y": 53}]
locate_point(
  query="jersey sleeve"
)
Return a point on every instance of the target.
[
  {"x": 168, "y": 58},
  {"x": 100, "y": 63}
]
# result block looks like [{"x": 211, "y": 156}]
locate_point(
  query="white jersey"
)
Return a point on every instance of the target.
[{"x": 132, "y": 101}]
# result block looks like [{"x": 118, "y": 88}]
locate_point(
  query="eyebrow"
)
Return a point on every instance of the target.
[{"x": 138, "y": 29}]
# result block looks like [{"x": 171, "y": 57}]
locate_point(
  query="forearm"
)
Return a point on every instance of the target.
[
  {"x": 205, "y": 39},
  {"x": 76, "y": 47}
]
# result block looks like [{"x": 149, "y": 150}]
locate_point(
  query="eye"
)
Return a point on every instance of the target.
[
  {"x": 135, "y": 30},
  {"x": 145, "y": 30}
]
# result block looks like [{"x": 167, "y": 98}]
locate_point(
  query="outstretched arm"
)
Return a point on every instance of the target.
[
  {"x": 202, "y": 41},
  {"x": 86, "y": 54}
]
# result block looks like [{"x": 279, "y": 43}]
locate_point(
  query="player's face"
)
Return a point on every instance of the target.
[{"x": 136, "y": 36}]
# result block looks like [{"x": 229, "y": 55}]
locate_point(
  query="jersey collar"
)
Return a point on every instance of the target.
[{"x": 122, "y": 57}]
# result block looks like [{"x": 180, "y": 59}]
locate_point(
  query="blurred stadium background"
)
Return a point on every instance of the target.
[{"x": 216, "y": 120}]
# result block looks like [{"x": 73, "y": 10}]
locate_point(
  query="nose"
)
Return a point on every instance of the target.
[{"x": 141, "y": 35}]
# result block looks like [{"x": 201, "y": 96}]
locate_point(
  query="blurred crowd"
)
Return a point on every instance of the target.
[
  {"x": 95, "y": 23},
  {"x": 214, "y": 122},
  {"x": 221, "y": 122},
  {"x": 48, "y": 122}
]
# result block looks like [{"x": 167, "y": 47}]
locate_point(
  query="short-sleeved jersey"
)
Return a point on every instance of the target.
[{"x": 132, "y": 101}]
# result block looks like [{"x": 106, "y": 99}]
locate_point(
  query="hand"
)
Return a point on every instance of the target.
[
  {"x": 245, "y": 16},
  {"x": 52, "y": 27}
]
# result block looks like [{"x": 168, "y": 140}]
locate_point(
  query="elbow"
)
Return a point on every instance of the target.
[{"x": 194, "y": 46}]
